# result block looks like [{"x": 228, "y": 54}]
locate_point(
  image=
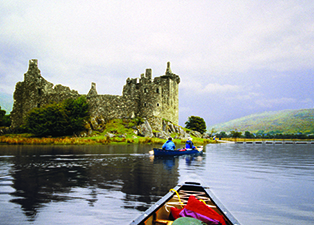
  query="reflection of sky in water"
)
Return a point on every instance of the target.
[
  {"x": 263, "y": 180},
  {"x": 260, "y": 184}
]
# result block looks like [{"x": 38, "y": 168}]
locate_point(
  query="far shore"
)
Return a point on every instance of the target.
[{"x": 234, "y": 140}]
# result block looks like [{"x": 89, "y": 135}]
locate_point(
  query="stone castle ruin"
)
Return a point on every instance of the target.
[{"x": 152, "y": 99}]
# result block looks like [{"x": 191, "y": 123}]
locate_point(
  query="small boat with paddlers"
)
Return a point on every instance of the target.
[
  {"x": 189, "y": 203},
  {"x": 178, "y": 152}
]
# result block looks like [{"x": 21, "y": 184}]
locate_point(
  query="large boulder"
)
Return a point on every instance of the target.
[
  {"x": 170, "y": 128},
  {"x": 196, "y": 134},
  {"x": 182, "y": 133},
  {"x": 206, "y": 136},
  {"x": 97, "y": 123},
  {"x": 110, "y": 135},
  {"x": 145, "y": 129},
  {"x": 161, "y": 135}
]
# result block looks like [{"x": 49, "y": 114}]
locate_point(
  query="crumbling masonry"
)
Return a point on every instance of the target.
[{"x": 153, "y": 99}]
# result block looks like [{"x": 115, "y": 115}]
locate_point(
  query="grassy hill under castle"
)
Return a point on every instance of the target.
[{"x": 285, "y": 122}]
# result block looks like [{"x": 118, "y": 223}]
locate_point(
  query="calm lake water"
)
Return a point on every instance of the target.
[{"x": 259, "y": 184}]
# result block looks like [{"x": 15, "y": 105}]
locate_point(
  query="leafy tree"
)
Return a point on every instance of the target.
[
  {"x": 311, "y": 136},
  {"x": 270, "y": 135},
  {"x": 196, "y": 123},
  {"x": 2, "y": 113},
  {"x": 236, "y": 134},
  {"x": 247, "y": 134},
  {"x": 4, "y": 119},
  {"x": 58, "y": 119},
  {"x": 76, "y": 111},
  {"x": 222, "y": 134},
  {"x": 278, "y": 136},
  {"x": 49, "y": 120}
]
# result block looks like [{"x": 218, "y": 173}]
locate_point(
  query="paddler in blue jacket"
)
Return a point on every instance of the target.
[
  {"x": 189, "y": 144},
  {"x": 169, "y": 145}
]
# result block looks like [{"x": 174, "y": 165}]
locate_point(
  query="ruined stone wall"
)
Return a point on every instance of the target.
[
  {"x": 112, "y": 106},
  {"x": 34, "y": 92},
  {"x": 147, "y": 98}
]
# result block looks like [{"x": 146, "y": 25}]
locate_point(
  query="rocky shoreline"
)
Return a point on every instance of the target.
[
  {"x": 145, "y": 130},
  {"x": 97, "y": 132}
]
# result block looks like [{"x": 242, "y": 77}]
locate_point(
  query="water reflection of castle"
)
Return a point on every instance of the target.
[{"x": 40, "y": 180}]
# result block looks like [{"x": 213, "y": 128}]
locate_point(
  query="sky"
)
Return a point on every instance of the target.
[{"x": 234, "y": 57}]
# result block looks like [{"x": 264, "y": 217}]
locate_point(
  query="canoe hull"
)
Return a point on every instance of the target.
[{"x": 161, "y": 152}]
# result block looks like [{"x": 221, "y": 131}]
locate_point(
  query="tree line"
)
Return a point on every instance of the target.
[{"x": 263, "y": 135}]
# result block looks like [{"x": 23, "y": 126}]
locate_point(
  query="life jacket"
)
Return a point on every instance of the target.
[{"x": 189, "y": 144}]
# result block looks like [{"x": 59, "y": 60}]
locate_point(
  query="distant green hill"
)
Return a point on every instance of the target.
[
  {"x": 6, "y": 102},
  {"x": 285, "y": 121}
]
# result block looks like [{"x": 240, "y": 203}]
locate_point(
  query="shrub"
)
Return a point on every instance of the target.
[
  {"x": 145, "y": 140},
  {"x": 138, "y": 120},
  {"x": 130, "y": 140},
  {"x": 4, "y": 119},
  {"x": 58, "y": 119}
]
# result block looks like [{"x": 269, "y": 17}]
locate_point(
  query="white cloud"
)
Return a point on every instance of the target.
[
  {"x": 224, "y": 36},
  {"x": 221, "y": 88},
  {"x": 197, "y": 87},
  {"x": 269, "y": 103},
  {"x": 308, "y": 103},
  {"x": 215, "y": 46}
]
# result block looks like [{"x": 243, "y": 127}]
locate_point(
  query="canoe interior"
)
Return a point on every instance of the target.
[{"x": 160, "y": 212}]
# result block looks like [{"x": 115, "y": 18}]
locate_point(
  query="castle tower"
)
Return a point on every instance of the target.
[
  {"x": 170, "y": 95},
  {"x": 27, "y": 94},
  {"x": 155, "y": 98},
  {"x": 160, "y": 97}
]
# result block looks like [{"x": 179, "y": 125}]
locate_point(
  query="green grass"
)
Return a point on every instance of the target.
[{"x": 28, "y": 139}]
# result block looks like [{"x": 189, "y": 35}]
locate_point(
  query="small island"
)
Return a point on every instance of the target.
[{"x": 146, "y": 112}]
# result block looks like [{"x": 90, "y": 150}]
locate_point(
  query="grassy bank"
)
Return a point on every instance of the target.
[
  {"x": 28, "y": 139},
  {"x": 123, "y": 129}
]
